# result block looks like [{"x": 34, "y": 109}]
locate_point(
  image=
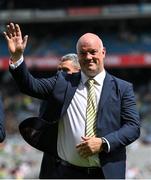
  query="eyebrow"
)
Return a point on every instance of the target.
[{"x": 65, "y": 68}]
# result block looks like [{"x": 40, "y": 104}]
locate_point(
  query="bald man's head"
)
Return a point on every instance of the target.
[
  {"x": 91, "y": 54},
  {"x": 88, "y": 38}
]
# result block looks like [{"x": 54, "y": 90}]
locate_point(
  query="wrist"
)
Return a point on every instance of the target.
[
  {"x": 14, "y": 65},
  {"x": 15, "y": 58},
  {"x": 104, "y": 146}
]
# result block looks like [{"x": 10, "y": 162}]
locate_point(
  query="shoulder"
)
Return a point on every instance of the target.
[
  {"x": 119, "y": 81},
  {"x": 119, "y": 85}
]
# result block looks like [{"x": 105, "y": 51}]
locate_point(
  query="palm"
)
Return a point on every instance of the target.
[{"x": 16, "y": 44}]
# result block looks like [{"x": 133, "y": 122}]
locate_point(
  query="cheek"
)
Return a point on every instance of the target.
[
  {"x": 81, "y": 61},
  {"x": 99, "y": 60}
]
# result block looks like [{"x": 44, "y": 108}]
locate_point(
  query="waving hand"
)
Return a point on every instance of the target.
[{"x": 16, "y": 44}]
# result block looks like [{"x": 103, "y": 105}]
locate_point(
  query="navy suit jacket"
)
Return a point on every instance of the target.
[
  {"x": 2, "y": 129},
  {"x": 117, "y": 120}
]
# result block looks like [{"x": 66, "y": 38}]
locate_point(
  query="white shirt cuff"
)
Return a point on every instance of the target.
[
  {"x": 108, "y": 144},
  {"x": 16, "y": 64}
]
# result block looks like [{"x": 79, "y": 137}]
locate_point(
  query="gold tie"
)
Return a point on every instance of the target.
[{"x": 91, "y": 110}]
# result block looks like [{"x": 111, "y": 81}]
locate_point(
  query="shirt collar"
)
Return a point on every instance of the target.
[{"x": 99, "y": 78}]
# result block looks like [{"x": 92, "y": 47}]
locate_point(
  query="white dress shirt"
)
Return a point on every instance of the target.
[{"x": 72, "y": 124}]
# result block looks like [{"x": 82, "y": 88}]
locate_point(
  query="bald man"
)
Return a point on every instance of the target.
[{"x": 93, "y": 113}]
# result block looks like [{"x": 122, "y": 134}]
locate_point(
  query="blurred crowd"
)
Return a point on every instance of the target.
[{"x": 18, "y": 160}]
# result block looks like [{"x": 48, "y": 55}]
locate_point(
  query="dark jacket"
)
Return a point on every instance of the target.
[{"x": 118, "y": 119}]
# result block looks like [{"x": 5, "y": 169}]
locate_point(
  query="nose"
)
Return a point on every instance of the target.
[{"x": 88, "y": 55}]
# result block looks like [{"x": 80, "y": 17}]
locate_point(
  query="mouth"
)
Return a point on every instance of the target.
[{"x": 90, "y": 63}]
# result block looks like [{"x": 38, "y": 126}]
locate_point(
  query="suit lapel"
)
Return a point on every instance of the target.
[
  {"x": 73, "y": 84},
  {"x": 71, "y": 88},
  {"x": 106, "y": 90}
]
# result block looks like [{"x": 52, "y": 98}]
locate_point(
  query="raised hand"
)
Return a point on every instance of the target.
[{"x": 16, "y": 44}]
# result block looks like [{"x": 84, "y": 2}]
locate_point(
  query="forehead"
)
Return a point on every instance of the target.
[
  {"x": 88, "y": 48},
  {"x": 89, "y": 44},
  {"x": 66, "y": 62}
]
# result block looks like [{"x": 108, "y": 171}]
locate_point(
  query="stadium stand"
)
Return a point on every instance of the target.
[
  {"x": 17, "y": 4},
  {"x": 126, "y": 36}
]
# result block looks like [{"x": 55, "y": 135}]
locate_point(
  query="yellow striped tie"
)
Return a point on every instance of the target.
[{"x": 91, "y": 110}]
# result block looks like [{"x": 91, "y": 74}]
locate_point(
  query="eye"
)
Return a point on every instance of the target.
[
  {"x": 82, "y": 53},
  {"x": 65, "y": 69},
  {"x": 93, "y": 52}
]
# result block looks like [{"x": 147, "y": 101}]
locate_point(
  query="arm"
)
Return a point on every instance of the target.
[
  {"x": 39, "y": 88},
  {"x": 130, "y": 122},
  {"x": 2, "y": 129}
]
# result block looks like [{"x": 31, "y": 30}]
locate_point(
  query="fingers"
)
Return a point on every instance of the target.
[
  {"x": 85, "y": 138},
  {"x": 25, "y": 41},
  {"x": 83, "y": 150},
  {"x": 13, "y": 30},
  {"x": 81, "y": 145},
  {"x": 8, "y": 31},
  {"x": 18, "y": 31},
  {"x": 88, "y": 146},
  {"x": 83, "y": 142},
  {"x": 6, "y": 36}
]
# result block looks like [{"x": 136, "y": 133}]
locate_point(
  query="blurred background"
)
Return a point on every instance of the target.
[{"x": 53, "y": 28}]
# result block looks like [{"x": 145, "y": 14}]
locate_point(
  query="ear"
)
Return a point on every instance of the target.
[{"x": 104, "y": 50}]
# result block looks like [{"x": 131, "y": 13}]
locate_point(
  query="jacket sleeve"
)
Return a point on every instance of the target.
[
  {"x": 130, "y": 122},
  {"x": 2, "y": 128},
  {"x": 35, "y": 87}
]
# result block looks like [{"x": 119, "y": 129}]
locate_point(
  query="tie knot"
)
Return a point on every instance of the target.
[{"x": 90, "y": 82}]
